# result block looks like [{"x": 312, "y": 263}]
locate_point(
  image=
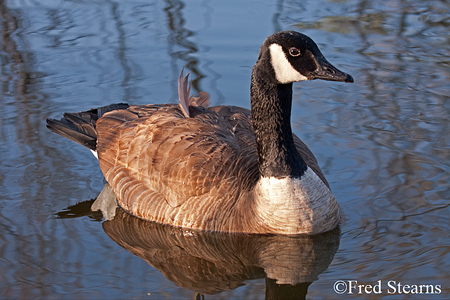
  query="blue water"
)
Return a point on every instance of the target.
[{"x": 382, "y": 142}]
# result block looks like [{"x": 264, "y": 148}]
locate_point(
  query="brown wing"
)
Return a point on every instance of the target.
[
  {"x": 309, "y": 158},
  {"x": 162, "y": 165}
]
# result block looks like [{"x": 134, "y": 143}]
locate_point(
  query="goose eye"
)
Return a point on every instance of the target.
[{"x": 294, "y": 51}]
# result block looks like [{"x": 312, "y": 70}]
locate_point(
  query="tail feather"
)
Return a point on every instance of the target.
[
  {"x": 70, "y": 131},
  {"x": 80, "y": 127},
  {"x": 83, "y": 121}
]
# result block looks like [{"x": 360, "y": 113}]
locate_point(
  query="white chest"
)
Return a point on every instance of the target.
[{"x": 296, "y": 206}]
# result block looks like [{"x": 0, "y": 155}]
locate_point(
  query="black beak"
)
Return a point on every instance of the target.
[{"x": 327, "y": 71}]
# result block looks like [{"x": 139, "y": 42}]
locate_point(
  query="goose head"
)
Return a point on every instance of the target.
[
  {"x": 295, "y": 57},
  {"x": 285, "y": 57}
]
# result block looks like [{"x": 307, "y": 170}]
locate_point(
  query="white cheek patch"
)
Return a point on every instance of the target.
[{"x": 284, "y": 71}]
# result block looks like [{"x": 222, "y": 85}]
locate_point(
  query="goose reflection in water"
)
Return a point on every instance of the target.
[{"x": 209, "y": 263}]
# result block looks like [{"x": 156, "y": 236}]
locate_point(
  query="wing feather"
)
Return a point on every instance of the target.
[{"x": 179, "y": 160}]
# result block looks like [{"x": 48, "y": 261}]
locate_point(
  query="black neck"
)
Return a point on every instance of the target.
[{"x": 271, "y": 118}]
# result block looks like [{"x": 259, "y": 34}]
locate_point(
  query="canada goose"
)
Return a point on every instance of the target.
[{"x": 220, "y": 168}]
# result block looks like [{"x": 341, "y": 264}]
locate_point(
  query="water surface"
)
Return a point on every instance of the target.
[{"x": 382, "y": 142}]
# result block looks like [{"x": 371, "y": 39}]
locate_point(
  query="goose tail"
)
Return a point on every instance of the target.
[{"x": 80, "y": 127}]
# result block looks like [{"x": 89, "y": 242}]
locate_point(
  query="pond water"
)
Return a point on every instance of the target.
[{"x": 382, "y": 142}]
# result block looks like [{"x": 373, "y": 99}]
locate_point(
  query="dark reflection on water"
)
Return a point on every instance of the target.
[
  {"x": 383, "y": 142},
  {"x": 210, "y": 263}
]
